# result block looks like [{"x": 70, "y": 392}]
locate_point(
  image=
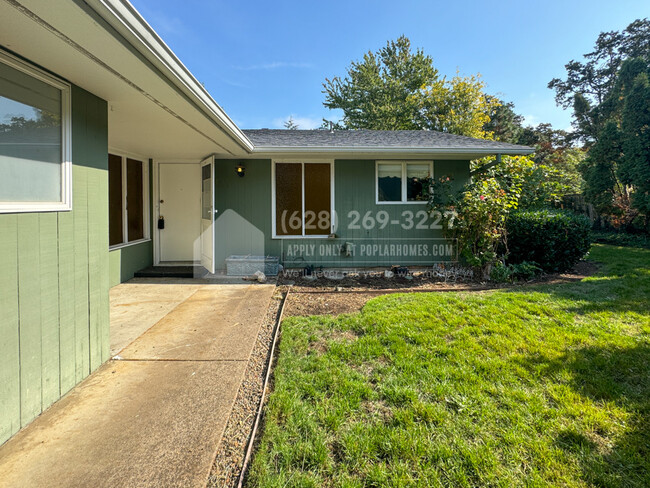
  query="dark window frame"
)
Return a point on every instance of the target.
[
  {"x": 332, "y": 215},
  {"x": 141, "y": 205}
]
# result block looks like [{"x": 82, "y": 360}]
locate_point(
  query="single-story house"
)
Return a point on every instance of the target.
[{"x": 113, "y": 158}]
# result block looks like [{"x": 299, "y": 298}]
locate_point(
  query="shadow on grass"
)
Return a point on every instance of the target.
[
  {"x": 622, "y": 285},
  {"x": 609, "y": 375}
]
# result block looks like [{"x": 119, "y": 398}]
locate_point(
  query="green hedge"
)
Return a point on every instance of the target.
[{"x": 554, "y": 240}]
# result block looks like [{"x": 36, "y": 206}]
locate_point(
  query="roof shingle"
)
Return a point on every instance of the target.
[{"x": 375, "y": 139}]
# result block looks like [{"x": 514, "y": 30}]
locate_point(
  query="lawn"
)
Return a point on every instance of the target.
[{"x": 533, "y": 386}]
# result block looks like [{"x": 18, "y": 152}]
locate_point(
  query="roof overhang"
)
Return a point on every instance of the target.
[
  {"x": 156, "y": 107},
  {"x": 382, "y": 152}
]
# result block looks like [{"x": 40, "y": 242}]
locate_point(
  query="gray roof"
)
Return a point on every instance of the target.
[{"x": 425, "y": 140}]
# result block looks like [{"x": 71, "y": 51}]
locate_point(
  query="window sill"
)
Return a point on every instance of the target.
[
  {"x": 115, "y": 247},
  {"x": 303, "y": 237},
  {"x": 416, "y": 202},
  {"x": 34, "y": 207}
]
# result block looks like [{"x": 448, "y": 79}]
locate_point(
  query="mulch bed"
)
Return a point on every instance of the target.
[{"x": 325, "y": 296}]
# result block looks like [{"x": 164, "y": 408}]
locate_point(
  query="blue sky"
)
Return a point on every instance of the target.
[{"x": 264, "y": 61}]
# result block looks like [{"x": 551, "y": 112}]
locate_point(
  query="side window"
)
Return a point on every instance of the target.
[
  {"x": 389, "y": 182},
  {"x": 34, "y": 139},
  {"x": 402, "y": 181},
  {"x": 115, "y": 206},
  {"x": 416, "y": 175},
  {"x": 127, "y": 205}
]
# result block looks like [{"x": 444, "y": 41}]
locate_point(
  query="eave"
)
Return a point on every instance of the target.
[{"x": 260, "y": 152}]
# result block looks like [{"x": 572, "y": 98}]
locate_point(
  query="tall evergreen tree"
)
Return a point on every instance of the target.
[
  {"x": 589, "y": 83},
  {"x": 378, "y": 92},
  {"x": 603, "y": 188},
  {"x": 505, "y": 123},
  {"x": 635, "y": 167},
  {"x": 290, "y": 124}
]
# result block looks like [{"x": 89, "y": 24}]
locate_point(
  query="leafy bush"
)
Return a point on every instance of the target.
[
  {"x": 479, "y": 211},
  {"x": 501, "y": 273},
  {"x": 524, "y": 271},
  {"x": 554, "y": 240},
  {"x": 535, "y": 185}
]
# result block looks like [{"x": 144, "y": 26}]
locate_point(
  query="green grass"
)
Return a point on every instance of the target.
[
  {"x": 544, "y": 386},
  {"x": 622, "y": 239}
]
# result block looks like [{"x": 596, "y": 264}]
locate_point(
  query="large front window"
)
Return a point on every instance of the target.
[
  {"x": 302, "y": 199},
  {"x": 402, "y": 181},
  {"x": 35, "y": 165}
]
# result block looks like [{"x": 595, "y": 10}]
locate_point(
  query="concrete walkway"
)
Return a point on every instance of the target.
[{"x": 155, "y": 417}]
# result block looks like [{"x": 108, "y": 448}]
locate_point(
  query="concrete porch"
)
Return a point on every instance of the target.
[{"x": 155, "y": 416}]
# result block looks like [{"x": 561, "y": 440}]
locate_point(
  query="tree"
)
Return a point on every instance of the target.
[
  {"x": 547, "y": 140},
  {"x": 457, "y": 106},
  {"x": 617, "y": 171},
  {"x": 611, "y": 106},
  {"x": 397, "y": 89},
  {"x": 378, "y": 92},
  {"x": 634, "y": 169},
  {"x": 589, "y": 84},
  {"x": 504, "y": 123},
  {"x": 603, "y": 188},
  {"x": 327, "y": 124},
  {"x": 290, "y": 124}
]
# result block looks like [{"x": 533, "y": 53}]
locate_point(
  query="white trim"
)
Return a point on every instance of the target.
[
  {"x": 155, "y": 213},
  {"x": 65, "y": 204},
  {"x": 125, "y": 214},
  {"x": 273, "y": 194},
  {"x": 209, "y": 161},
  {"x": 128, "y": 244},
  {"x": 404, "y": 163},
  {"x": 146, "y": 221},
  {"x": 431, "y": 151}
]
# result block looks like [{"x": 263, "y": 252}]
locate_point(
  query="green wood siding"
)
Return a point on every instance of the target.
[
  {"x": 244, "y": 226},
  {"x": 9, "y": 329},
  {"x": 54, "y": 320},
  {"x": 243, "y": 223},
  {"x": 125, "y": 261}
]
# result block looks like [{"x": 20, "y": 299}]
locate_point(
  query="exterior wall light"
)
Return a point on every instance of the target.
[{"x": 241, "y": 170}]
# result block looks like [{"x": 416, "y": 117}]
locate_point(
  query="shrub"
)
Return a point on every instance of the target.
[
  {"x": 554, "y": 240},
  {"x": 525, "y": 271},
  {"x": 479, "y": 214}
]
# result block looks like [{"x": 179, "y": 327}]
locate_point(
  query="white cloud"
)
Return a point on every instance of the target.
[
  {"x": 169, "y": 25},
  {"x": 303, "y": 123},
  {"x": 530, "y": 120},
  {"x": 231, "y": 82},
  {"x": 273, "y": 65}
]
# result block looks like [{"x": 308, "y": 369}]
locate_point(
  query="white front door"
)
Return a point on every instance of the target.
[
  {"x": 207, "y": 214},
  {"x": 180, "y": 209}
]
